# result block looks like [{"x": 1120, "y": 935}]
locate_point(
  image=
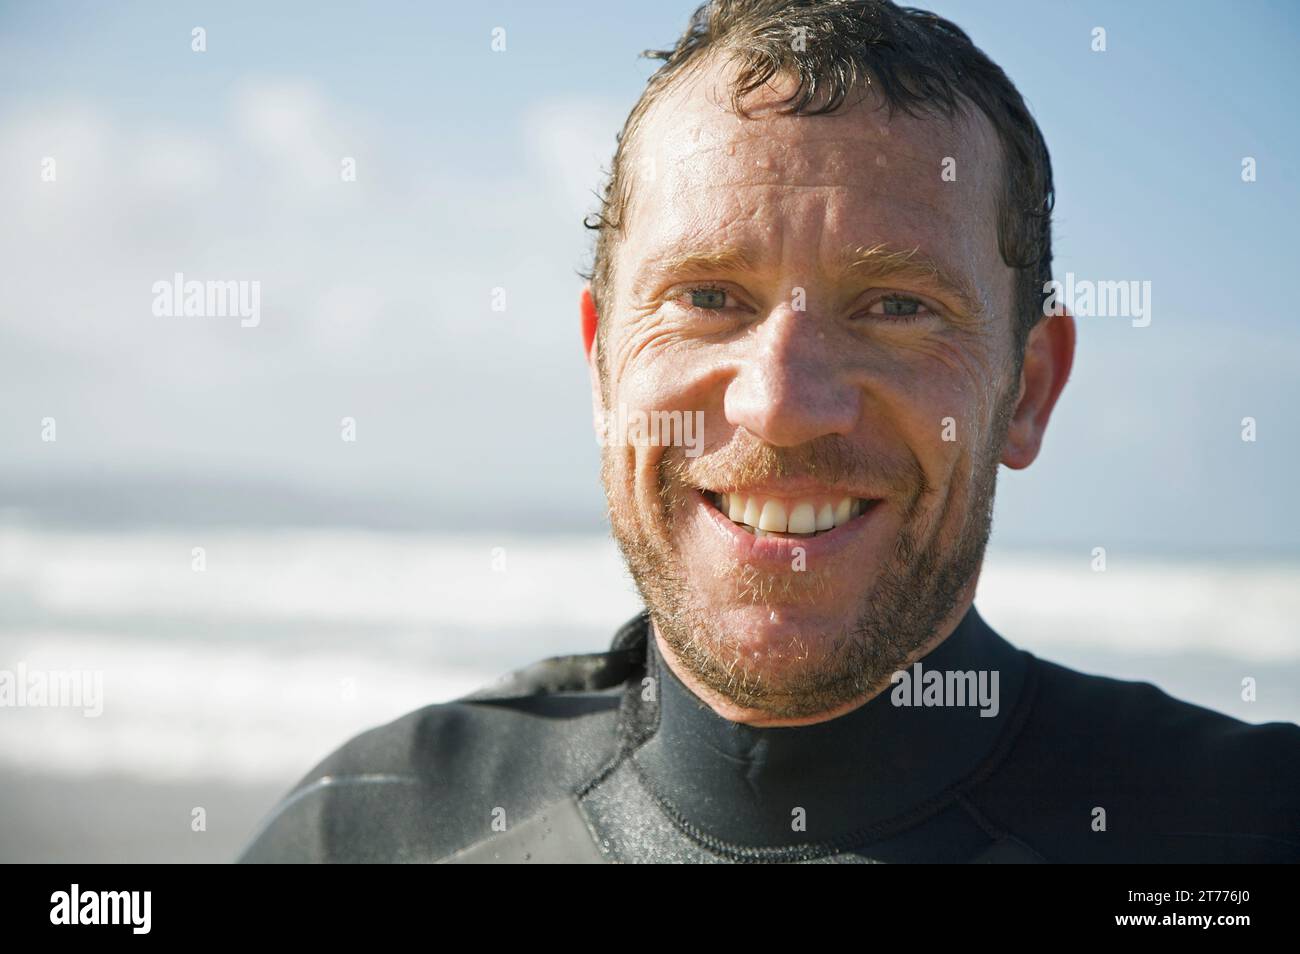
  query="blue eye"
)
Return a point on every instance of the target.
[
  {"x": 709, "y": 298},
  {"x": 898, "y": 307}
]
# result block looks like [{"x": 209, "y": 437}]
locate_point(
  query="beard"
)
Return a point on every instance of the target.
[{"x": 917, "y": 586}]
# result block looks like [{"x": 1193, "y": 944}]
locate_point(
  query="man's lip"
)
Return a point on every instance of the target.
[
  {"x": 794, "y": 489},
  {"x": 781, "y": 549}
]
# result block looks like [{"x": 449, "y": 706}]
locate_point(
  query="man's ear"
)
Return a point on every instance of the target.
[
  {"x": 1049, "y": 355},
  {"x": 587, "y": 309}
]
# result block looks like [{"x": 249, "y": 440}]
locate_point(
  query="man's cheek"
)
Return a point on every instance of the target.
[
  {"x": 938, "y": 431},
  {"x": 666, "y": 408},
  {"x": 946, "y": 414},
  {"x": 637, "y": 373}
]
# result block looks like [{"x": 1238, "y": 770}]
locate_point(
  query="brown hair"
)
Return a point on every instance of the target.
[{"x": 916, "y": 62}]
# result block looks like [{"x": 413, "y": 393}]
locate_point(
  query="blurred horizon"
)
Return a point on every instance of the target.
[{"x": 131, "y": 504}]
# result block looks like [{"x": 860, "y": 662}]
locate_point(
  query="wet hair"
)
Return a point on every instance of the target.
[{"x": 916, "y": 62}]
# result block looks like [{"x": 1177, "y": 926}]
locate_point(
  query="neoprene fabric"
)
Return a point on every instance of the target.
[{"x": 574, "y": 760}]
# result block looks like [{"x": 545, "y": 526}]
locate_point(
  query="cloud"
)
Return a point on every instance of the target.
[
  {"x": 573, "y": 141},
  {"x": 374, "y": 294},
  {"x": 293, "y": 127}
]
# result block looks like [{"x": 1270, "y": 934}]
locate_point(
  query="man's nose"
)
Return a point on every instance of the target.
[{"x": 792, "y": 385}]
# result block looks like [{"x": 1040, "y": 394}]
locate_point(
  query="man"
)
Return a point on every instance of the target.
[{"x": 826, "y": 237}]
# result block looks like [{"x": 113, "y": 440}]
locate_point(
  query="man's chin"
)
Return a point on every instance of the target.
[
  {"x": 781, "y": 633},
  {"x": 772, "y": 657}
]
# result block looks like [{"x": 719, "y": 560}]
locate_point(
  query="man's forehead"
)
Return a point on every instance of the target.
[
  {"x": 695, "y": 163},
  {"x": 692, "y": 125}
]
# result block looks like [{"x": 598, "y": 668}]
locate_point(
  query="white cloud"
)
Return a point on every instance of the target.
[
  {"x": 292, "y": 125},
  {"x": 573, "y": 141},
  {"x": 175, "y": 162}
]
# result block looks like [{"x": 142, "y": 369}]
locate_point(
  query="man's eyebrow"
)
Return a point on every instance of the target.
[
  {"x": 883, "y": 263},
  {"x": 880, "y": 263},
  {"x": 686, "y": 262}
]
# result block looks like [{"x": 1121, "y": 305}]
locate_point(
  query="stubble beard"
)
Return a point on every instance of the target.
[{"x": 915, "y": 591}]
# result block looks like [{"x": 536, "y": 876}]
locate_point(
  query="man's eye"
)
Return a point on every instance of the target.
[
  {"x": 899, "y": 307},
  {"x": 710, "y": 298}
]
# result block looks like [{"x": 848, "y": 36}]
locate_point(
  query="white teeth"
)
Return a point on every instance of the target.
[
  {"x": 826, "y": 517},
  {"x": 803, "y": 519},
  {"x": 763, "y": 515},
  {"x": 772, "y": 517},
  {"x": 843, "y": 512}
]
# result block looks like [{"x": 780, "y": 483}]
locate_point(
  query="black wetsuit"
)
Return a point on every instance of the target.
[{"x": 582, "y": 759}]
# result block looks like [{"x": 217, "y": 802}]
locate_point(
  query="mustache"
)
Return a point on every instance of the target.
[{"x": 831, "y": 459}]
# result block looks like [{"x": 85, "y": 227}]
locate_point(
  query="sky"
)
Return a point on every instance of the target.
[{"x": 474, "y": 170}]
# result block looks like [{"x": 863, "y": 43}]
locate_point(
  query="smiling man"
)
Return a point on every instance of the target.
[
  {"x": 826, "y": 236},
  {"x": 840, "y": 313}
]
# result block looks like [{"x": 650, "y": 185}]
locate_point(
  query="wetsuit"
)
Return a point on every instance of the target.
[{"x": 608, "y": 757}]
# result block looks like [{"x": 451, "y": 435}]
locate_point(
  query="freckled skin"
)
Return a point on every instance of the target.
[{"x": 772, "y": 646}]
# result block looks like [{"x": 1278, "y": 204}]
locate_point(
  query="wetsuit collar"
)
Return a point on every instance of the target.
[{"x": 787, "y": 786}]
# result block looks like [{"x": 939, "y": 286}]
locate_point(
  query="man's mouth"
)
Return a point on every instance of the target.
[{"x": 767, "y": 516}]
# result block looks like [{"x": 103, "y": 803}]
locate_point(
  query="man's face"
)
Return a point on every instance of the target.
[{"x": 860, "y": 408}]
